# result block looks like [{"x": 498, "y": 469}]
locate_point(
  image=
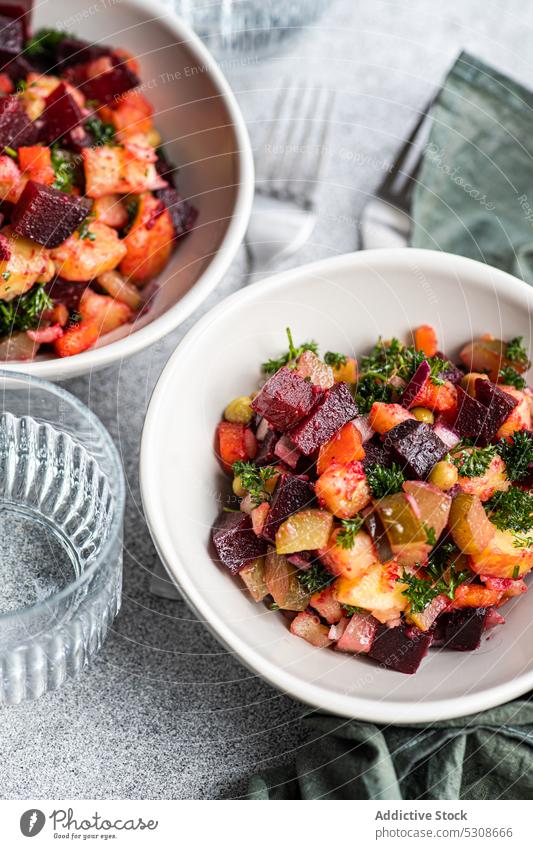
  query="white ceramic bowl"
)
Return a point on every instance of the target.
[
  {"x": 204, "y": 134},
  {"x": 344, "y": 303}
]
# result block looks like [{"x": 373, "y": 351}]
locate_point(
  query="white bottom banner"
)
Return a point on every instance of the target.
[{"x": 171, "y": 823}]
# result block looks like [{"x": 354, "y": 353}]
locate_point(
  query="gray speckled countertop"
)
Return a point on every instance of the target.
[{"x": 166, "y": 712}]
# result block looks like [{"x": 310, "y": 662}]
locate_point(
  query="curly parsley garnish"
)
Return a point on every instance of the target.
[
  {"x": 516, "y": 351},
  {"x": 384, "y": 480},
  {"x": 517, "y": 454},
  {"x": 510, "y": 377},
  {"x": 512, "y": 510},
  {"x": 44, "y": 44},
  {"x": 331, "y": 358},
  {"x": 63, "y": 170},
  {"x": 315, "y": 578},
  {"x": 103, "y": 133},
  {"x": 389, "y": 360},
  {"x": 443, "y": 578},
  {"x": 253, "y": 479},
  {"x": 349, "y": 530},
  {"x": 473, "y": 462},
  {"x": 24, "y": 312},
  {"x": 271, "y": 366}
]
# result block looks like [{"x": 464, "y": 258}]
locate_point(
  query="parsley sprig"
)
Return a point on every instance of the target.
[
  {"x": 516, "y": 351},
  {"x": 63, "y": 170},
  {"x": 315, "y": 578},
  {"x": 103, "y": 133},
  {"x": 24, "y": 312},
  {"x": 334, "y": 359},
  {"x": 253, "y": 479},
  {"x": 384, "y": 480},
  {"x": 271, "y": 366},
  {"x": 512, "y": 510},
  {"x": 349, "y": 530},
  {"x": 510, "y": 377},
  {"x": 442, "y": 578},
  {"x": 517, "y": 454},
  {"x": 473, "y": 462},
  {"x": 389, "y": 360}
]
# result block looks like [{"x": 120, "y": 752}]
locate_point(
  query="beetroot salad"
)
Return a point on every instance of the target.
[
  {"x": 89, "y": 210},
  {"x": 383, "y": 506}
]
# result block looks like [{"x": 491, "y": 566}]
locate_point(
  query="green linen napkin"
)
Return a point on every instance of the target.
[
  {"x": 474, "y": 197},
  {"x": 484, "y": 756},
  {"x": 474, "y": 194}
]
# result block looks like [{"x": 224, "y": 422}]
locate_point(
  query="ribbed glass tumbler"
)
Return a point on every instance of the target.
[{"x": 61, "y": 518}]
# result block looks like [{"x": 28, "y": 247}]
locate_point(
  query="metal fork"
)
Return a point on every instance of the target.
[
  {"x": 386, "y": 219},
  {"x": 288, "y": 166}
]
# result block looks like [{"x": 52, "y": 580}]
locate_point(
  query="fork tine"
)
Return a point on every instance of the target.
[
  {"x": 288, "y": 126},
  {"x": 398, "y": 180}
]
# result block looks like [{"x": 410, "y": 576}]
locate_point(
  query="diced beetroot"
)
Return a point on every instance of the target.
[
  {"x": 416, "y": 447},
  {"x": 105, "y": 87},
  {"x": 19, "y": 11},
  {"x": 415, "y": 384},
  {"x": 376, "y": 452},
  {"x": 325, "y": 603},
  {"x": 302, "y": 559},
  {"x": 359, "y": 634},
  {"x": 287, "y": 451},
  {"x": 235, "y": 541},
  {"x": 333, "y": 411},
  {"x": 499, "y": 406},
  {"x": 165, "y": 168},
  {"x": 266, "y": 454},
  {"x": 61, "y": 115},
  {"x": 401, "y": 648},
  {"x": 286, "y": 398},
  {"x": 470, "y": 418},
  {"x": 47, "y": 215},
  {"x": 309, "y": 627},
  {"x": 493, "y": 619},
  {"x": 16, "y": 129},
  {"x": 12, "y": 40},
  {"x": 74, "y": 51},
  {"x": 65, "y": 292},
  {"x": 448, "y": 436},
  {"x": 291, "y": 494},
  {"x": 461, "y": 630},
  {"x": 183, "y": 214}
]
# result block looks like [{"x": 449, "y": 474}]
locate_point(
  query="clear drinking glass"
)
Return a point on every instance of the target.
[
  {"x": 248, "y": 26},
  {"x": 61, "y": 517}
]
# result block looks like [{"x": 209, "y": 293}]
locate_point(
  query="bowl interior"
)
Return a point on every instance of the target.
[
  {"x": 344, "y": 304},
  {"x": 192, "y": 116}
]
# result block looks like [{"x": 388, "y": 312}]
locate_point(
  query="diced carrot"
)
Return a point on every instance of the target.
[
  {"x": 130, "y": 116},
  {"x": 384, "y": 417},
  {"x": 232, "y": 443},
  {"x": 440, "y": 398},
  {"x": 36, "y": 164},
  {"x": 426, "y": 340},
  {"x": 111, "y": 211},
  {"x": 149, "y": 241},
  {"x": 106, "y": 312},
  {"x": 76, "y": 339},
  {"x": 346, "y": 373},
  {"x": 6, "y": 84},
  {"x": 344, "y": 447},
  {"x": 473, "y": 595}
]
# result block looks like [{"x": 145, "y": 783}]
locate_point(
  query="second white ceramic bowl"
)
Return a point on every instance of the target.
[
  {"x": 343, "y": 303},
  {"x": 203, "y": 133}
]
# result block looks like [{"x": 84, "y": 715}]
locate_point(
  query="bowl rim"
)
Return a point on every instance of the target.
[
  {"x": 63, "y": 368},
  {"x": 117, "y": 484},
  {"x": 373, "y": 710}
]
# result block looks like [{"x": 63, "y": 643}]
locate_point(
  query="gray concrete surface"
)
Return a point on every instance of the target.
[{"x": 166, "y": 712}]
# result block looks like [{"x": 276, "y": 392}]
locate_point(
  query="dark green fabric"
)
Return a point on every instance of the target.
[
  {"x": 474, "y": 197},
  {"x": 475, "y": 189},
  {"x": 484, "y": 756}
]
